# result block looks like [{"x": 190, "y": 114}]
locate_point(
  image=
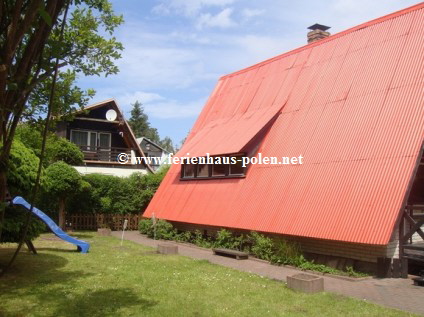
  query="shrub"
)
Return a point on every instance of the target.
[
  {"x": 162, "y": 230},
  {"x": 61, "y": 182},
  {"x": 184, "y": 236},
  {"x": 145, "y": 226},
  {"x": 21, "y": 174},
  {"x": 262, "y": 246},
  {"x": 22, "y": 169},
  {"x": 287, "y": 252},
  {"x": 225, "y": 239},
  {"x": 57, "y": 148},
  {"x": 14, "y": 221},
  {"x": 60, "y": 149}
]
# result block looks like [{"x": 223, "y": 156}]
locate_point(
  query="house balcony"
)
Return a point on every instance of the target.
[{"x": 97, "y": 154}]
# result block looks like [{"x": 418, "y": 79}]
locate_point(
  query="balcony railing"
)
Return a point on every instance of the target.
[{"x": 104, "y": 154}]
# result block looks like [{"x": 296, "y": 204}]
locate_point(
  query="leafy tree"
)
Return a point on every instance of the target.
[
  {"x": 30, "y": 45},
  {"x": 61, "y": 182},
  {"x": 167, "y": 144},
  {"x": 153, "y": 135}
]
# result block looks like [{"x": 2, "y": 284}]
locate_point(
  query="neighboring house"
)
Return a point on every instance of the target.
[
  {"x": 154, "y": 151},
  {"x": 352, "y": 106},
  {"x": 102, "y": 134}
]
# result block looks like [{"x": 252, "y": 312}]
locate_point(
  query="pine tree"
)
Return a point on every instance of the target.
[{"x": 139, "y": 121}]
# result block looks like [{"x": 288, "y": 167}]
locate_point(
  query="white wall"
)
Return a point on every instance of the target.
[{"x": 115, "y": 171}]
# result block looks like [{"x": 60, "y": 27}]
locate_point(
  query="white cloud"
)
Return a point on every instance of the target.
[
  {"x": 141, "y": 96},
  {"x": 221, "y": 19},
  {"x": 189, "y": 8},
  {"x": 251, "y": 13},
  {"x": 170, "y": 109}
]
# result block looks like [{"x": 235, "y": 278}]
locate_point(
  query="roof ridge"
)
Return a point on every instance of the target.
[{"x": 330, "y": 38}]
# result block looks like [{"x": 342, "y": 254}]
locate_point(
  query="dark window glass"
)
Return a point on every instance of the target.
[
  {"x": 189, "y": 170},
  {"x": 237, "y": 169},
  {"x": 219, "y": 170},
  {"x": 202, "y": 170},
  {"x": 223, "y": 167}
]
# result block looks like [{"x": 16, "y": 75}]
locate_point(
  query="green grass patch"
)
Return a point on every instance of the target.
[{"x": 134, "y": 281}]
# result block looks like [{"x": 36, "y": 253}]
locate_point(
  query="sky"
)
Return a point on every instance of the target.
[{"x": 176, "y": 50}]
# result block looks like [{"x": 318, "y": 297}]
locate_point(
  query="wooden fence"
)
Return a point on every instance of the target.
[{"x": 95, "y": 221}]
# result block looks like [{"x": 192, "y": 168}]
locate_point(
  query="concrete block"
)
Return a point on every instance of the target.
[
  {"x": 306, "y": 283},
  {"x": 167, "y": 249},
  {"x": 104, "y": 232}
]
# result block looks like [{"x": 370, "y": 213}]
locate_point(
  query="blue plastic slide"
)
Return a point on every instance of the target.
[{"x": 82, "y": 245}]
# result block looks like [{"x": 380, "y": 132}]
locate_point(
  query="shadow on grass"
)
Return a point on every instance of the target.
[
  {"x": 81, "y": 235},
  {"x": 102, "y": 303},
  {"x": 59, "y": 250},
  {"x": 31, "y": 272}
]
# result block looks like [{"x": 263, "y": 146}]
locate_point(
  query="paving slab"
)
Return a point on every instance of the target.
[{"x": 389, "y": 292}]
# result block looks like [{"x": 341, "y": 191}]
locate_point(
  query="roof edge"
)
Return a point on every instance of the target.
[{"x": 330, "y": 38}]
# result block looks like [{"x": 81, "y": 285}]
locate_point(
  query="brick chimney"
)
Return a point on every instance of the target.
[{"x": 318, "y": 32}]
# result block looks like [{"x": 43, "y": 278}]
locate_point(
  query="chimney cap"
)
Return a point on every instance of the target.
[{"x": 317, "y": 26}]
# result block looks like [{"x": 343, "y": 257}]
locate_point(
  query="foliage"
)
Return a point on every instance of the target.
[
  {"x": 126, "y": 282},
  {"x": 225, "y": 239},
  {"x": 14, "y": 221},
  {"x": 139, "y": 121},
  {"x": 57, "y": 148},
  {"x": 145, "y": 226},
  {"x": 144, "y": 186},
  {"x": 30, "y": 44},
  {"x": 279, "y": 251},
  {"x": 262, "y": 246},
  {"x": 62, "y": 179},
  {"x": 60, "y": 149},
  {"x": 167, "y": 144},
  {"x": 22, "y": 171},
  {"x": 162, "y": 230},
  {"x": 141, "y": 127}
]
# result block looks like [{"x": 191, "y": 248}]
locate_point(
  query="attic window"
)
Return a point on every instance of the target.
[{"x": 213, "y": 167}]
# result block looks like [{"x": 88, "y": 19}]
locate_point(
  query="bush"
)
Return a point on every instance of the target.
[
  {"x": 14, "y": 221},
  {"x": 21, "y": 174},
  {"x": 225, "y": 239},
  {"x": 162, "y": 230},
  {"x": 60, "y": 149},
  {"x": 145, "y": 226},
  {"x": 286, "y": 252},
  {"x": 22, "y": 170},
  {"x": 262, "y": 246},
  {"x": 57, "y": 148}
]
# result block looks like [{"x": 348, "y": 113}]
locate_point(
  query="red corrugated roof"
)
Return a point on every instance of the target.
[{"x": 352, "y": 105}]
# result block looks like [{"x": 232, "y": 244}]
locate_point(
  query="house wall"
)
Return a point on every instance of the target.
[
  {"x": 110, "y": 170},
  {"x": 116, "y": 139}
]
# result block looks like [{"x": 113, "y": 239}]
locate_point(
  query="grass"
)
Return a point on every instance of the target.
[{"x": 134, "y": 281}]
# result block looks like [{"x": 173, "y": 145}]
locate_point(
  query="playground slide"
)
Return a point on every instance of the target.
[{"x": 82, "y": 245}]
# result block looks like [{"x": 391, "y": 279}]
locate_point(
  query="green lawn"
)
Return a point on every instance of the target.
[{"x": 134, "y": 281}]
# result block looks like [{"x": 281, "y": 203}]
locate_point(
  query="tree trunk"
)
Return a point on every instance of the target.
[
  {"x": 62, "y": 213},
  {"x": 3, "y": 194}
]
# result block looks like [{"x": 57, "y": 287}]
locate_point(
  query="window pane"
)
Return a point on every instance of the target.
[
  {"x": 104, "y": 140},
  {"x": 237, "y": 169},
  {"x": 188, "y": 170},
  {"x": 202, "y": 170},
  {"x": 80, "y": 138},
  {"x": 93, "y": 141},
  {"x": 219, "y": 170}
]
